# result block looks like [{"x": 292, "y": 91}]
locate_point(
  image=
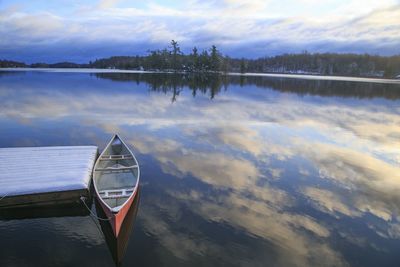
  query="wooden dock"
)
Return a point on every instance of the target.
[{"x": 36, "y": 176}]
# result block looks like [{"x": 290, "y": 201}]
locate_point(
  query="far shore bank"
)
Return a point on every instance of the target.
[{"x": 272, "y": 75}]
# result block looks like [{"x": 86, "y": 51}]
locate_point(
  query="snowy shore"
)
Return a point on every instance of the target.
[{"x": 275, "y": 75}]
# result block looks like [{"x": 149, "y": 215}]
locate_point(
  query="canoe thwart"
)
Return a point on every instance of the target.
[
  {"x": 115, "y": 157},
  {"x": 117, "y": 168},
  {"x": 116, "y": 193}
]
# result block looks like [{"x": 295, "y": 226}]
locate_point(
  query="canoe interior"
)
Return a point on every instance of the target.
[{"x": 115, "y": 174}]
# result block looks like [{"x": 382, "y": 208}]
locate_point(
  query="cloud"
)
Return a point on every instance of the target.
[
  {"x": 375, "y": 181},
  {"x": 263, "y": 210},
  {"x": 216, "y": 168},
  {"x": 238, "y": 136},
  {"x": 259, "y": 211},
  {"x": 247, "y": 27},
  {"x": 291, "y": 245},
  {"x": 329, "y": 202},
  {"x": 103, "y": 4}
]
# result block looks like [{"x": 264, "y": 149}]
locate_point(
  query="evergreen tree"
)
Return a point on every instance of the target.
[
  {"x": 214, "y": 59},
  {"x": 204, "y": 61},
  {"x": 195, "y": 59},
  {"x": 175, "y": 52},
  {"x": 243, "y": 66}
]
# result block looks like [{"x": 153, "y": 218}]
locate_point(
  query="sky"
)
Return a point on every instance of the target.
[{"x": 79, "y": 31}]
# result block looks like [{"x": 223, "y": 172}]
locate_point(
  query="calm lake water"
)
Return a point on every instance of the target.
[{"x": 235, "y": 171}]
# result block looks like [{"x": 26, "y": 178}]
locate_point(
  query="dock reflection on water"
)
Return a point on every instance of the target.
[{"x": 70, "y": 210}]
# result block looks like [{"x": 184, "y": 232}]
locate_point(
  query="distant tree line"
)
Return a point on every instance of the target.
[
  {"x": 12, "y": 64},
  {"x": 324, "y": 64},
  {"x": 211, "y": 60}
]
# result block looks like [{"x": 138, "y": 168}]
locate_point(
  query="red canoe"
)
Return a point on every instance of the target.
[{"x": 116, "y": 181}]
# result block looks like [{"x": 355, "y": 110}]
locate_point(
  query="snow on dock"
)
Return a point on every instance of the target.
[{"x": 42, "y": 175}]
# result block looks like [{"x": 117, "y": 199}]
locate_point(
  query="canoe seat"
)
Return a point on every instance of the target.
[
  {"x": 116, "y": 157},
  {"x": 117, "y": 169},
  {"x": 116, "y": 193}
]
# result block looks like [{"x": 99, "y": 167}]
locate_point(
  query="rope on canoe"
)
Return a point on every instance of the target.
[
  {"x": 4, "y": 196},
  {"x": 96, "y": 222},
  {"x": 91, "y": 212}
]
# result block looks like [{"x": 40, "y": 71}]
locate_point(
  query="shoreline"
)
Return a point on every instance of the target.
[{"x": 249, "y": 74}]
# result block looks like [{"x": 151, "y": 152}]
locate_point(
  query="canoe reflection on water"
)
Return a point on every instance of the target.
[{"x": 118, "y": 246}]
